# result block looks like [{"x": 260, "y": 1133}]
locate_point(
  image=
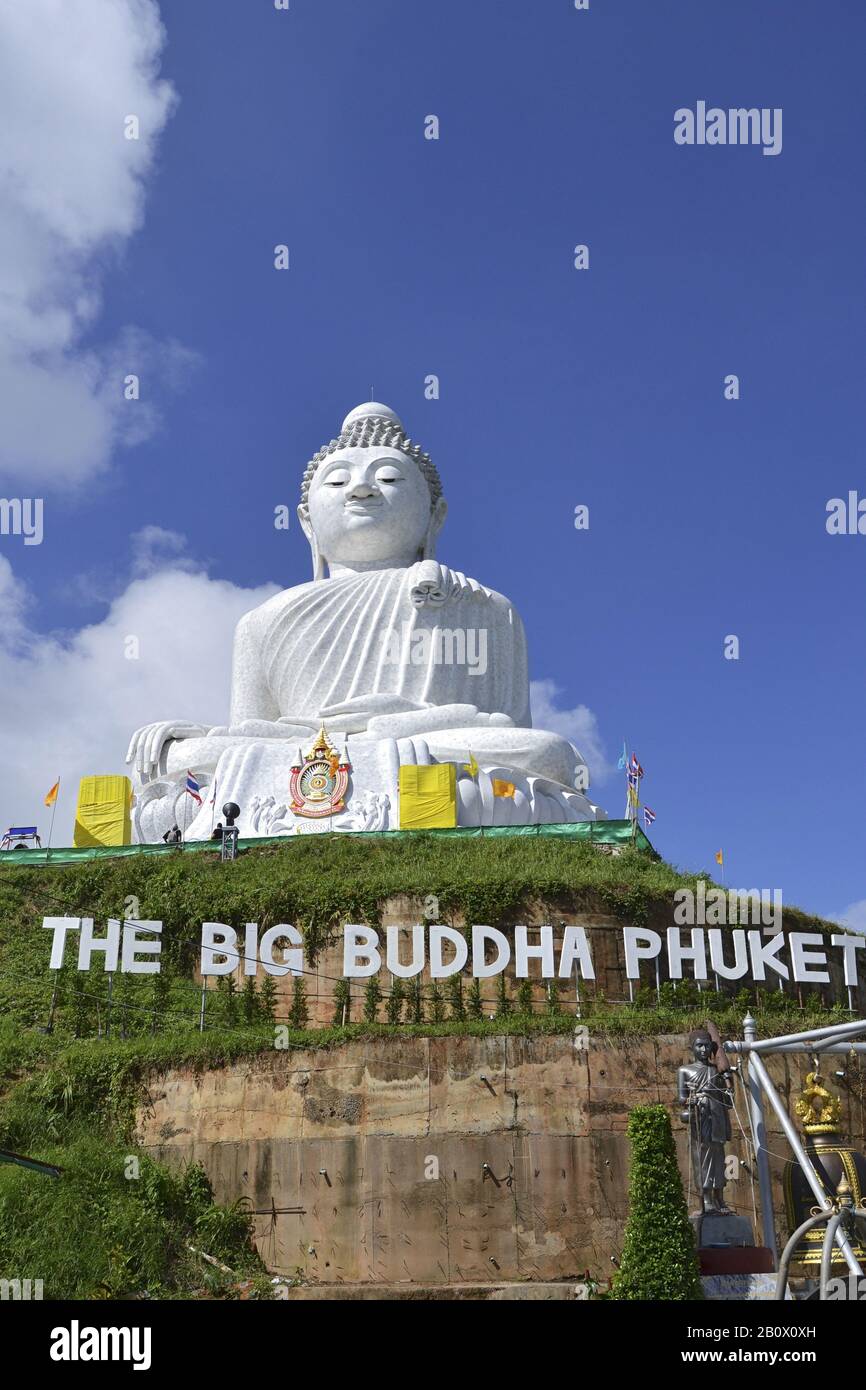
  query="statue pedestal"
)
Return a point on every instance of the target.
[
  {"x": 256, "y": 775},
  {"x": 727, "y": 1249},
  {"x": 717, "y": 1230},
  {"x": 741, "y": 1288}
]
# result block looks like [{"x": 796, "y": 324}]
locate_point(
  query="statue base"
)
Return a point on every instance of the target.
[
  {"x": 741, "y": 1288},
  {"x": 260, "y": 778},
  {"x": 716, "y": 1230}
]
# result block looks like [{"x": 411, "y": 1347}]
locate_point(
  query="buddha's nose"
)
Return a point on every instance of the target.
[{"x": 362, "y": 489}]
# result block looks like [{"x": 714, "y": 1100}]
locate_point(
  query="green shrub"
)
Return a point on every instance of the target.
[
  {"x": 268, "y": 998},
  {"x": 659, "y": 1260},
  {"x": 475, "y": 1004},
  {"x": 415, "y": 1000},
  {"x": 455, "y": 998},
  {"x": 342, "y": 1003},
  {"x": 437, "y": 1003},
  {"x": 101, "y": 1232},
  {"x": 249, "y": 1000},
  {"x": 298, "y": 1013},
  {"x": 372, "y": 999},
  {"x": 503, "y": 1002},
  {"x": 395, "y": 1000}
]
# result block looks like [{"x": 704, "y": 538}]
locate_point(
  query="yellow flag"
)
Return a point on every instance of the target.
[
  {"x": 632, "y": 797},
  {"x": 720, "y": 858},
  {"x": 52, "y": 795},
  {"x": 471, "y": 767},
  {"x": 501, "y": 788}
]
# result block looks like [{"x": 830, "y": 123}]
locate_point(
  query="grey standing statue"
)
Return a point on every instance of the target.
[{"x": 706, "y": 1097}]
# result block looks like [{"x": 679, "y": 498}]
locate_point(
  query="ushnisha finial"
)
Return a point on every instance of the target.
[{"x": 372, "y": 410}]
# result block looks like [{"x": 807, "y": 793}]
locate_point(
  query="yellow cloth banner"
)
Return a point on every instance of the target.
[
  {"x": 102, "y": 813},
  {"x": 428, "y": 797}
]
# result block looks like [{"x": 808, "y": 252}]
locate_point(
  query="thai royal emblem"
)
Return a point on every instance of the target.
[{"x": 319, "y": 780}]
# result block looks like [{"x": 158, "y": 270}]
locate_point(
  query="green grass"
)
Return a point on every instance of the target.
[
  {"x": 115, "y": 1224},
  {"x": 315, "y": 882}
]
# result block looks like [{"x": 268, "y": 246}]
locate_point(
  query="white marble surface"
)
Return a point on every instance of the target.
[{"x": 403, "y": 657}]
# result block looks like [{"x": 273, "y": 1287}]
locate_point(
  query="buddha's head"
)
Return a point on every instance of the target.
[{"x": 371, "y": 499}]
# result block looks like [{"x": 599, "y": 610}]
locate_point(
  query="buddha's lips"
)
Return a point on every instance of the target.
[{"x": 362, "y": 508}]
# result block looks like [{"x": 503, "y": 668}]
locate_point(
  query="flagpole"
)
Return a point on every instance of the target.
[
  {"x": 53, "y": 814},
  {"x": 627, "y": 802}
]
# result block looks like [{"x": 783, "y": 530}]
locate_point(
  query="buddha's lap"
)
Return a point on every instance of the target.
[{"x": 536, "y": 751}]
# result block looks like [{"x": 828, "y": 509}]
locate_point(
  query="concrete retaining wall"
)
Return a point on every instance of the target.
[{"x": 367, "y": 1161}]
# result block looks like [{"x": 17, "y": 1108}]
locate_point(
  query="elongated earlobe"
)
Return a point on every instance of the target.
[
  {"x": 437, "y": 518},
  {"x": 319, "y": 562}
]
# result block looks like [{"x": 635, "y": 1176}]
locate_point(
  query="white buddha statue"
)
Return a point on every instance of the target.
[{"x": 404, "y": 661}]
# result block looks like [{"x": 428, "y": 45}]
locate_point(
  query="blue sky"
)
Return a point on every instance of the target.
[{"x": 558, "y": 387}]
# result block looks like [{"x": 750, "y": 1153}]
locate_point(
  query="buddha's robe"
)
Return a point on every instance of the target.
[
  {"x": 357, "y": 652},
  {"x": 357, "y": 639}
]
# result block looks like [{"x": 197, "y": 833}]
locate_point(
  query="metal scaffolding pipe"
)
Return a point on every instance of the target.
[
  {"x": 756, "y": 1065},
  {"x": 788, "y": 1252},
  {"x": 837, "y": 1033},
  {"x": 762, "y": 1157},
  {"x": 827, "y": 1253}
]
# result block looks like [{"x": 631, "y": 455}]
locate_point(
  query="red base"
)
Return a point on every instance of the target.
[{"x": 736, "y": 1259}]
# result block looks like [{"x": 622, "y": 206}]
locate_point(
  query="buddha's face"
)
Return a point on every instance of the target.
[{"x": 368, "y": 505}]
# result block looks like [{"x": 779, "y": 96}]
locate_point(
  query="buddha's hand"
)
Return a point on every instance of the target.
[
  {"x": 261, "y": 728},
  {"x": 147, "y": 743},
  {"x": 432, "y": 584}
]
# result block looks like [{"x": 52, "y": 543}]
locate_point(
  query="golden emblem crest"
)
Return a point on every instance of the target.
[{"x": 319, "y": 780}]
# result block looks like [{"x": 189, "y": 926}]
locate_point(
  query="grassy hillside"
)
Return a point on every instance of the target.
[
  {"x": 69, "y": 1096},
  {"x": 315, "y": 882}
]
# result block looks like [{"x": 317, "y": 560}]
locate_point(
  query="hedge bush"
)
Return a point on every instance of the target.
[{"x": 659, "y": 1260}]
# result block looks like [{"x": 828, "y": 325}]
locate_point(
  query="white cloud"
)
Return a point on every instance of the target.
[
  {"x": 71, "y": 194},
  {"x": 854, "y": 916},
  {"x": 579, "y": 725},
  {"x": 70, "y": 706},
  {"x": 154, "y": 548}
]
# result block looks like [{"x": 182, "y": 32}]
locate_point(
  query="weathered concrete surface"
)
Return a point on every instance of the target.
[
  {"x": 566, "y": 1291},
  {"x": 453, "y": 1160}
]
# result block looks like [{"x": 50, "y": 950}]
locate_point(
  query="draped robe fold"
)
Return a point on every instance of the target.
[
  {"x": 710, "y": 1124},
  {"x": 360, "y": 635}
]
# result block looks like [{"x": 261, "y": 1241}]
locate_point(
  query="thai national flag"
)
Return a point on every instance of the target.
[
  {"x": 193, "y": 787},
  {"x": 648, "y": 816},
  {"x": 636, "y": 767}
]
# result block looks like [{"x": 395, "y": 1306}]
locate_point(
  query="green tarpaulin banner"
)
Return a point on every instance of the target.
[{"x": 601, "y": 832}]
